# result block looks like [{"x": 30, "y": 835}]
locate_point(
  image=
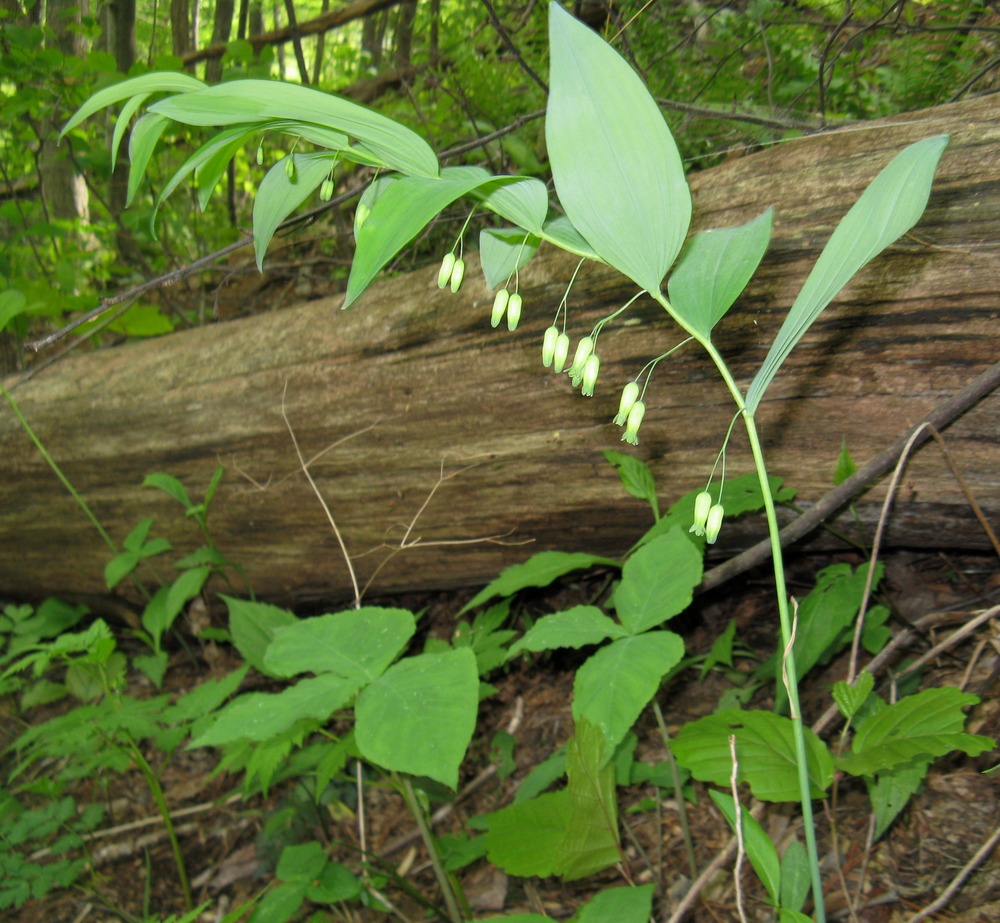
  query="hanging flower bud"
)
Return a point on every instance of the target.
[
  {"x": 500, "y": 302},
  {"x": 549, "y": 345},
  {"x": 635, "y": 415},
  {"x": 630, "y": 394},
  {"x": 583, "y": 351},
  {"x": 326, "y": 190},
  {"x": 561, "y": 352},
  {"x": 361, "y": 215},
  {"x": 714, "y": 524},
  {"x": 702, "y": 504},
  {"x": 447, "y": 266},
  {"x": 513, "y": 312},
  {"x": 590, "y": 369},
  {"x": 290, "y": 167},
  {"x": 260, "y": 153},
  {"x": 457, "y": 275}
]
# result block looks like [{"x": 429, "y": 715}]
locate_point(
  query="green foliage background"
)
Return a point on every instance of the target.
[{"x": 771, "y": 69}]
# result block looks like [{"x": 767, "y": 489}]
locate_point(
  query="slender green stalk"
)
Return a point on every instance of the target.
[
  {"x": 444, "y": 881},
  {"x": 784, "y": 618},
  {"x": 675, "y": 774},
  {"x": 161, "y": 804},
  {"x": 51, "y": 462}
]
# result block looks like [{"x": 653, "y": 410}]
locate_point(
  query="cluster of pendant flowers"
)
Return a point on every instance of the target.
[{"x": 584, "y": 369}]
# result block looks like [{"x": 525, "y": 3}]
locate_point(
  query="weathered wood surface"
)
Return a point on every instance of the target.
[{"x": 440, "y": 389}]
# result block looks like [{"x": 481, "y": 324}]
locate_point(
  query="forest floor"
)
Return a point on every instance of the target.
[{"x": 230, "y": 859}]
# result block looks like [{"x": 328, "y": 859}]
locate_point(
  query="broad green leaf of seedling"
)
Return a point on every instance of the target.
[
  {"x": 658, "y": 581},
  {"x": 280, "y": 194},
  {"x": 618, "y": 905},
  {"x": 616, "y": 167},
  {"x": 887, "y": 209},
  {"x": 614, "y": 686},
  {"x": 357, "y": 644},
  {"x": 590, "y": 842},
  {"x": 418, "y": 717},
  {"x": 713, "y": 270},
  {"x": 576, "y": 627}
]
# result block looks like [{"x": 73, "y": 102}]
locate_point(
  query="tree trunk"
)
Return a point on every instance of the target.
[
  {"x": 222, "y": 27},
  {"x": 413, "y": 383},
  {"x": 63, "y": 189},
  {"x": 180, "y": 26}
]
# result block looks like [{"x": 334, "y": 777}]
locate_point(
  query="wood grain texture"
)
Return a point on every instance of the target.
[{"x": 445, "y": 390}]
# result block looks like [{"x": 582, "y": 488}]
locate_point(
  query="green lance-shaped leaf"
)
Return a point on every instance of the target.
[
  {"x": 144, "y": 86},
  {"x": 714, "y": 269},
  {"x": 141, "y": 144},
  {"x": 615, "y": 164},
  {"x": 504, "y": 250},
  {"x": 518, "y": 199},
  {"x": 253, "y": 100},
  {"x": 560, "y": 232},
  {"x": 418, "y": 717},
  {"x": 401, "y": 212},
  {"x": 887, "y": 209},
  {"x": 759, "y": 848},
  {"x": 280, "y": 194},
  {"x": 121, "y": 125}
]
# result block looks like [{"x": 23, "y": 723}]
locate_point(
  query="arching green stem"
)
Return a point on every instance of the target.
[{"x": 784, "y": 615}]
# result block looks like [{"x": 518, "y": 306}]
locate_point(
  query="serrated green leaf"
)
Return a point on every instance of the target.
[
  {"x": 713, "y": 270},
  {"x": 616, "y": 167},
  {"x": 618, "y": 905},
  {"x": 401, "y": 212},
  {"x": 170, "y": 486},
  {"x": 765, "y": 749},
  {"x": 590, "y": 842},
  {"x": 502, "y": 251},
  {"x": 636, "y": 478},
  {"x": 260, "y": 716},
  {"x": 576, "y": 627},
  {"x": 923, "y": 725},
  {"x": 524, "y": 838},
  {"x": 280, "y": 194},
  {"x": 356, "y": 644},
  {"x": 418, "y": 716},
  {"x": 252, "y": 626},
  {"x": 890, "y": 791},
  {"x": 851, "y": 696},
  {"x": 759, "y": 848},
  {"x": 887, "y": 209},
  {"x": 538, "y": 571},
  {"x": 614, "y": 686},
  {"x": 658, "y": 581}
]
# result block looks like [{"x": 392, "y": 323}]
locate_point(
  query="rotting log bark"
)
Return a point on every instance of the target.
[{"x": 442, "y": 391}]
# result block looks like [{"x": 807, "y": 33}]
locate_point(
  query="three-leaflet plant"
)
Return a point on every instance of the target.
[{"x": 623, "y": 201}]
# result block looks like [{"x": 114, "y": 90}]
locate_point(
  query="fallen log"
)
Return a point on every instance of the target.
[{"x": 413, "y": 383}]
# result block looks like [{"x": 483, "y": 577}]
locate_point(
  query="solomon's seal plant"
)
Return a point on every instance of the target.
[{"x": 623, "y": 201}]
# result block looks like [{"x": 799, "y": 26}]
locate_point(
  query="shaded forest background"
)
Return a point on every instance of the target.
[{"x": 466, "y": 74}]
